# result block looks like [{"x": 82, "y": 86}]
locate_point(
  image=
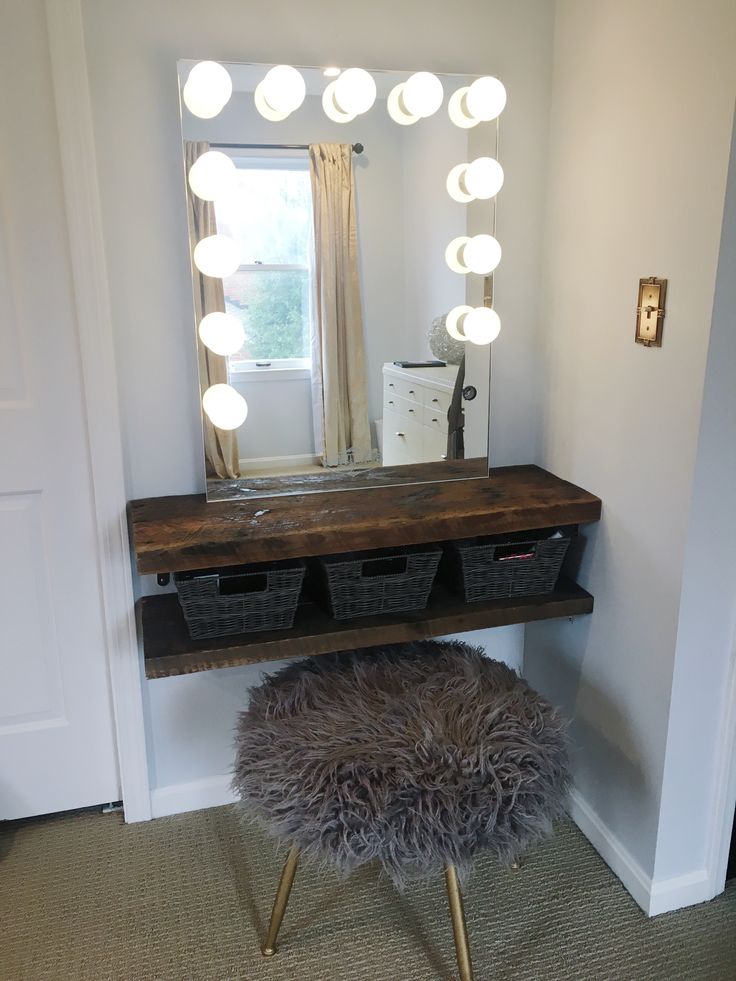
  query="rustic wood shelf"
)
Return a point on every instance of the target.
[
  {"x": 175, "y": 534},
  {"x": 169, "y": 650}
]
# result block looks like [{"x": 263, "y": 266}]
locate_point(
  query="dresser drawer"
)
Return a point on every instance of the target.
[
  {"x": 434, "y": 445},
  {"x": 403, "y": 407},
  {"x": 436, "y": 399},
  {"x": 405, "y": 389},
  {"x": 402, "y": 440},
  {"x": 434, "y": 419}
]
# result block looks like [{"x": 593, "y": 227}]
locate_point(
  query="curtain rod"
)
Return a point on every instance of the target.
[{"x": 357, "y": 147}]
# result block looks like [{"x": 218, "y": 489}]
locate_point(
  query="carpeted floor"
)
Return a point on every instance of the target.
[{"x": 87, "y": 897}]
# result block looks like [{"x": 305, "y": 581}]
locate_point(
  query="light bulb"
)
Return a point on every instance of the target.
[
  {"x": 355, "y": 91},
  {"x": 264, "y": 108},
  {"x": 208, "y": 87},
  {"x": 283, "y": 88},
  {"x": 212, "y": 175},
  {"x": 456, "y": 184},
  {"x": 482, "y": 325},
  {"x": 331, "y": 110},
  {"x": 456, "y": 109},
  {"x": 217, "y": 256},
  {"x": 222, "y": 333},
  {"x": 484, "y": 178},
  {"x": 453, "y": 320},
  {"x": 225, "y": 408},
  {"x": 486, "y": 98},
  {"x": 395, "y": 108},
  {"x": 422, "y": 95},
  {"x": 482, "y": 254},
  {"x": 452, "y": 254}
]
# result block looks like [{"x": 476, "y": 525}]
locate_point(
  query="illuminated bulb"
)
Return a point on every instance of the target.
[
  {"x": 453, "y": 254},
  {"x": 454, "y": 319},
  {"x": 483, "y": 178},
  {"x": 395, "y": 108},
  {"x": 355, "y": 91},
  {"x": 485, "y": 98},
  {"x": 212, "y": 175},
  {"x": 482, "y": 254},
  {"x": 456, "y": 184},
  {"x": 331, "y": 110},
  {"x": 283, "y": 88},
  {"x": 216, "y": 256},
  {"x": 482, "y": 325},
  {"x": 225, "y": 408},
  {"x": 222, "y": 333},
  {"x": 331, "y": 72},
  {"x": 422, "y": 95},
  {"x": 208, "y": 87},
  {"x": 456, "y": 109},
  {"x": 264, "y": 108}
]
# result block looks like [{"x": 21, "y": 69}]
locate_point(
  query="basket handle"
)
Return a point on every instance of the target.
[
  {"x": 241, "y": 585},
  {"x": 388, "y": 566}
]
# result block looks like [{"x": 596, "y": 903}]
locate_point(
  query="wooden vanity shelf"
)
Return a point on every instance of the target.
[{"x": 173, "y": 534}]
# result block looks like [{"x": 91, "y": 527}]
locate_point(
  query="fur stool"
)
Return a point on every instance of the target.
[{"x": 417, "y": 755}]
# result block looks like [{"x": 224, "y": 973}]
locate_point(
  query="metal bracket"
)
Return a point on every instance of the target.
[{"x": 163, "y": 578}]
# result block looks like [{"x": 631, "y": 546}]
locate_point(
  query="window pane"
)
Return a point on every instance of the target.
[
  {"x": 273, "y": 306},
  {"x": 270, "y": 216}
]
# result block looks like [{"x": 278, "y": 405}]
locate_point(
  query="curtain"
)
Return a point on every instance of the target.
[
  {"x": 220, "y": 446},
  {"x": 339, "y": 390}
]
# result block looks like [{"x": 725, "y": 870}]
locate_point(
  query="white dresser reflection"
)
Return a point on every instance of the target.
[{"x": 415, "y": 404}]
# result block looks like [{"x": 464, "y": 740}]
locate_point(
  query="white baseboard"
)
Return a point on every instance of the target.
[
  {"x": 653, "y": 897},
  {"x": 277, "y": 462},
  {"x": 176, "y": 798}
]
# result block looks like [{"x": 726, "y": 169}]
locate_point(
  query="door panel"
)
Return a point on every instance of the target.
[{"x": 57, "y": 746}]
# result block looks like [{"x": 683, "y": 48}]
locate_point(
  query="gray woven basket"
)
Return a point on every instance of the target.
[
  {"x": 493, "y": 568},
  {"x": 240, "y": 599},
  {"x": 387, "y": 581}
]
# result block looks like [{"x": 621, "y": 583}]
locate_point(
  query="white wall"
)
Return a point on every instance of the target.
[
  {"x": 132, "y": 50},
  {"x": 642, "y": 107}
]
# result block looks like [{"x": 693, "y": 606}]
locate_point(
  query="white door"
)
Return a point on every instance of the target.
[{"x": 57, "y": 744}]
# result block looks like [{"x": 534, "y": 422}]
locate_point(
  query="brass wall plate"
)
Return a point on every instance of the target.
[{"x": 650, "y": 311}]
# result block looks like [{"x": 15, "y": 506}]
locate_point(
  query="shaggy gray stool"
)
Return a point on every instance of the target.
[{"x": 417, "y": 755}]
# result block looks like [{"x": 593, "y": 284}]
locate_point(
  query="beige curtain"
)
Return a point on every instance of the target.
[
  {"x": 220, "y": 446},
  {"x": 339, "y": 391}
]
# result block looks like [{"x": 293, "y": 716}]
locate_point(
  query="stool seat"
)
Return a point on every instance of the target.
[{"x": 417, "y": 755}]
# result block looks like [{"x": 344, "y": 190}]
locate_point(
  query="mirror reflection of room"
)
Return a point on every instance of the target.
[{"x": 322, "y": 303}]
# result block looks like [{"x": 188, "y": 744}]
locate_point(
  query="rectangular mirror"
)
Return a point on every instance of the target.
[{"x": 322, "y": 277}]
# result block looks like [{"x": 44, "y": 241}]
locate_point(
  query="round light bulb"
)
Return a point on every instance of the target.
[
  {"x": 217, "y": 256},
  {"x": 486, "y": 98},
  {"x": 395, "y": 108},
  {"x": 482, "y": 254},
  {"x": 355, "y": 91},
  {"x": 225, "y": 408},
  {"x": 331, "y": 110},
  {"x": 283, "y": 88},
  {"x": 264, "y": 108},
  {"x": 456, "y": 184},
  {"x": 456, "y": 109},
  {"x": 208, "y": 87},
  {"x": 453, "y": 254},
  {"x": 422, "y": 95},
  {"x": 455, "y": 317},
  {"x": 484, "y": 178},
  {"x": 212, "y": 175},
  {"x": 482, "y": 325},
  {"x": 222, "y": 333}
]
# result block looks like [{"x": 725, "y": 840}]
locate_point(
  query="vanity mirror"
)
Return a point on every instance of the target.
[{"x": 342, "y": 238}]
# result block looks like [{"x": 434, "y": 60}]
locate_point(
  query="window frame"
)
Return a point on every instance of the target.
[{"x": 277, "y": 369}]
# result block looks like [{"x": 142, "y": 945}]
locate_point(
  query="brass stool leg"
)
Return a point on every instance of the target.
[
  {"x": 459, "y": 928},
  {"x": 282, "y": 898}
]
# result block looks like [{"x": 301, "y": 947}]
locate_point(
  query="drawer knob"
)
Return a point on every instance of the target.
[
  {"x": 443, "y": 457},
  {"x": 390, "y": 402},
  {"x": 411, "y": 391},
  {"x": 401, "y": 434},
  {"x": 435, "y": 400},
  {"x": 411, "y": 410},
  {"x": 434, "y": 420}
]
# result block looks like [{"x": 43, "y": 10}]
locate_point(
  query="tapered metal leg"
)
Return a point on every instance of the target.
[
  {"x": 459, "y": 928},
  {"x": 282, "y": 898}
]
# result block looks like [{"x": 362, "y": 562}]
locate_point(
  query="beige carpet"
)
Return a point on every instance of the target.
[{"x": 187, "y": 897}]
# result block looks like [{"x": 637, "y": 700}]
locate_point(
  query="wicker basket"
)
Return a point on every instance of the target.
[
  {"x": 240, "y": 599},
  {"x": 492, "y": 568},
  {"x": 387, "y": 581}
]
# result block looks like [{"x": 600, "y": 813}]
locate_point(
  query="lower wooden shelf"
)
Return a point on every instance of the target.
[{"x": 169, "y": 650}]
